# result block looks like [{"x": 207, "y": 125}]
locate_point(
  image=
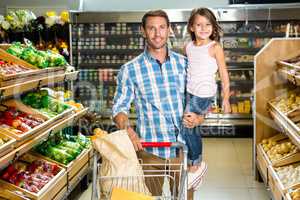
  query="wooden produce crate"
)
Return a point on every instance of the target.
[
  {"x": 32, "y": 74},
  {"x": 288, "y": 63},
  {"x": 278, "y": 189},
  {"x": 8, "y": 146},
  {"x": 263, "y": 162},
  {"x": 49, "y": 191},
  {"x": 293, "y": 194},
  {"x": 285, "y": 159},
  {"x": 78, "y": 177},
  {"x": 7, "y": 194},
  {"x": 20, "y": 106},
  {"x": 73, "y": 167},
  {"x": 27, "y": 109},
  {"x": 59, "y": 116},
  {"x": 61, "y": 194}
]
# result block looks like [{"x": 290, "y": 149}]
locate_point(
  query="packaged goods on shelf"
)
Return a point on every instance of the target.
[
  {"x": 240, "y": 42},
  {"x": 241, "y": 107}
]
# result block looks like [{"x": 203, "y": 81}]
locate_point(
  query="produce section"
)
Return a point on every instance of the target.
[
  {"x": 64, "y": 149},
  {"x": 45, "y": 104},
  {"x": 34, "y": 178},
  {"x": 45, "y": 148},
  {"x": 17, "y": 121},
  {"x": 39, "y": 58},
  {"x": 29, "y": 117},
  {"x": 277, "y": 108},
  {"x": 31, "y": 175}
]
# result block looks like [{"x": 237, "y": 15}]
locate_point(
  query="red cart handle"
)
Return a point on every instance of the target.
[{"x": 156, "y": 144}]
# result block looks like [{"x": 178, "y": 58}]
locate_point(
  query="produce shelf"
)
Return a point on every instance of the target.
[
  {"x": 227, "y": 122},
  {"x": 109, "y": 35},
  {"x": 101, "y": 65},
  {"x": 245, "y": 49},
  {"x": 28, "y": 85},
  {"x": 290, "y": 75},
  {"x": 255, "y": 34},
  {"x": 239, "y": 64},
  {"x": 287, "y": 126},
  {"x": 229, "y": 116},
  {"x": 40, "y": 136},
  {"x": 108, "y": 51}
]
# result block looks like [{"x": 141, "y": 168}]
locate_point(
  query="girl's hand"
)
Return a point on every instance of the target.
[
  {"x": 191, "y": 120},
  {"x": 226, "y": 106}
]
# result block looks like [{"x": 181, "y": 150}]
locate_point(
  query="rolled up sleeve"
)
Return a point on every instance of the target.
[{"x": 124, "y": 92}]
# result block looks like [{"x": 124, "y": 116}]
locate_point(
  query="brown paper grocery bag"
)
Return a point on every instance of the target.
[{"x": 120, "y": 167}]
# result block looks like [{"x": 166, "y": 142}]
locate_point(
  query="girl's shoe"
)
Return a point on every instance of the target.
[{"x": 195, "y": 178}]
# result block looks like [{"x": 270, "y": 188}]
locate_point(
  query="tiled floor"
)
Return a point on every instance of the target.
[{"x": 229, "y": 176}]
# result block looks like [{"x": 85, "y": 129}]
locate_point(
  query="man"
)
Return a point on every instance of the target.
[{"x": 155, "y": 81}]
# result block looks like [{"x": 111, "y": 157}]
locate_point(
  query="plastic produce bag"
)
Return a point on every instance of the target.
[{"x": 119, "y": 160}]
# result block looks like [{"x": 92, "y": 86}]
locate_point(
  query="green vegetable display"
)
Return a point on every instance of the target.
[
  {"x": 40, "y": 100},
  {"x": 41, "y": 59},
  {"x": 63, "y": 147}
]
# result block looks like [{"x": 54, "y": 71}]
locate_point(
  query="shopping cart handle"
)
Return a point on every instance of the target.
[{"x": 156, "y": 144}]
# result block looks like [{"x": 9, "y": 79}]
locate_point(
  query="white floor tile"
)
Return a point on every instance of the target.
[{"x": 223, "y": 194}]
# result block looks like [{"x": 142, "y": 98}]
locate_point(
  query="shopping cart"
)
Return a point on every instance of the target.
[{"x": 174, "y": 174}]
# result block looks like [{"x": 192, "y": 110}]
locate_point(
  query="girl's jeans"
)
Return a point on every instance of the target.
[{"x": 192, "y": 136}]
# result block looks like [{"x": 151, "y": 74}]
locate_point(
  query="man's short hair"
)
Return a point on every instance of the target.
[{"x": 155, "y": 13}]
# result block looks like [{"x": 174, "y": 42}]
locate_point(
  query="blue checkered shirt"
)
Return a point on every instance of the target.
[{"x": 158, "y": 94}]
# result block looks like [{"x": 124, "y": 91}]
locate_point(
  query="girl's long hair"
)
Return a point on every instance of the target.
[{"x": 205, "y": 12}]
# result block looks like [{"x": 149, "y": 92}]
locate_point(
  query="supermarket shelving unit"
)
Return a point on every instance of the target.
[
  {"x": 60, "y": 187},
  {"x": 273, "y": 82},
  {"x": 102, "y": 41}
]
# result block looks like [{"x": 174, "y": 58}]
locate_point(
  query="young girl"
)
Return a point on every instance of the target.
[{"x": 206, "y": 57}]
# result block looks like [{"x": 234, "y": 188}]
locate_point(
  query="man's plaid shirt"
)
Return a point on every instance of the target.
[{"x": 158, "y": 94}]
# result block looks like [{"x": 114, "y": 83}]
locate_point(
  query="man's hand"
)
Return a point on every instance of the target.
[
  {"x": 134, "y": 139},
  {"x": 191, "y": 120}
]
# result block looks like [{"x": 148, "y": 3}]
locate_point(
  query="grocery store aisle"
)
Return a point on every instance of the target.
[{"x": 229, "y": 176}]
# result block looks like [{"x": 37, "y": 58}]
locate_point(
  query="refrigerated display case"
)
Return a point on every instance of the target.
[{"x": 101, "y": 42}]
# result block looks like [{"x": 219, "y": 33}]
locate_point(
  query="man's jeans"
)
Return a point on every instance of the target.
[{"x": 192, "y": 136}]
